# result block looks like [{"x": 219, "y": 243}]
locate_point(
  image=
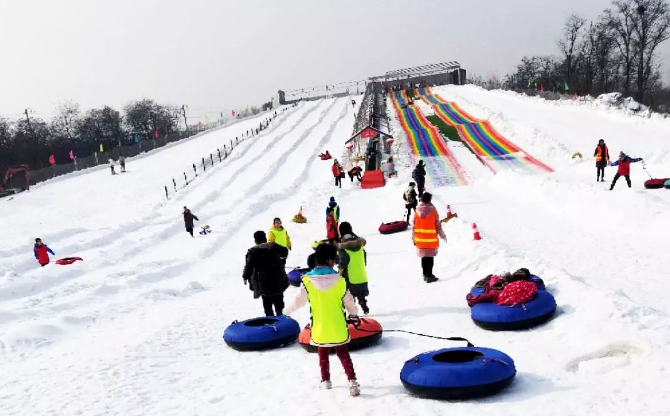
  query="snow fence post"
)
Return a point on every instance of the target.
[
  {"x": 231, "y": 143},
  {"x": 166, "y": 193},
  {"x": 174, "y": 183},
  {"x": 211, "y": 159},
  {"x": 185, "y": 179},
  {"x": 219, "y": 151},
  {"x": 194, "y": 170},
  {"x": 204, "y": 167}
]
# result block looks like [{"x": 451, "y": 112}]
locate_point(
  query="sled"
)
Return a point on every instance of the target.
[
  {"x": 393, "y": 227},
  {"x": 448, "y": 218},
  {"x": 68, "y": 260},
  {"x": 205, "y": 230},
  {"x": 655, "y": 183}
]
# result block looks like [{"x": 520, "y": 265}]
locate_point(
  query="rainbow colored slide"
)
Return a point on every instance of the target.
[
  {"x": 441, "y": 165},
  {"x": 491, "y": 147}
]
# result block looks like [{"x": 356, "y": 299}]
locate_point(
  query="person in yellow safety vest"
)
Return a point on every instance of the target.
[
  {"x": 279, "y": 236},
  {"x": 336, "y": 209},
  {"x": 602, "y": 155},
  {"x": 351, "y": 261},
  {"x": 328, "y": 297},
  {"x": 427, "y": 228}
]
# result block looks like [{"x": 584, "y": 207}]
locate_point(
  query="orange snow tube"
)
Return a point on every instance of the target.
[{"x": 368, "y": 333}]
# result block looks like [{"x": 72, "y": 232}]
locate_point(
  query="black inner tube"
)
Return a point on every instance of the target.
[
  {"x": 262, "y": 322},
  {"x": 457, "y": 356}
]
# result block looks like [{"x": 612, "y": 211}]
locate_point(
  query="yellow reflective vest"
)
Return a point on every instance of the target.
[
  {"x": 356, "y": 268},
  {"x": 329, "y": 325}
]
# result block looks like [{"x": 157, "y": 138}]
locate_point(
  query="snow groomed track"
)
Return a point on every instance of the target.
[
  {"x": 425, "y": 140},
  {"x": 495, "y": 151}
]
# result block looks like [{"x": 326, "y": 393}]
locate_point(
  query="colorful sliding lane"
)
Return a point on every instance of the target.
[
  {"x": 491, "y": 148},
  {"x": 441, "y": 165}
]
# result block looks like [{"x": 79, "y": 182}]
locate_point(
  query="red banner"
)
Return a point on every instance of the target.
[{"x": 368, "y": 134}]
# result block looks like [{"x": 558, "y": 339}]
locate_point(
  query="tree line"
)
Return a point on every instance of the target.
[
  {"x": 616, "y": 52},
  {"x": 32, "y": 140}
]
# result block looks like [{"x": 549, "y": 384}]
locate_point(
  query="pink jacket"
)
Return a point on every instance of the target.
[{"x": 423, "y": 210}]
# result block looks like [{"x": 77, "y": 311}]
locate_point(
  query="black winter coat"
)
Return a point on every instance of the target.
[
  {"x": 188, "y": 219},
  {"x": 419, "y": 174},
  {"x": 265, "y": 271}
]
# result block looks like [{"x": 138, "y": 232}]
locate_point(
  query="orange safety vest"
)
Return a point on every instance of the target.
[
  {"x": 425, "y": 234},
  {"x": 599, "y": 153}
]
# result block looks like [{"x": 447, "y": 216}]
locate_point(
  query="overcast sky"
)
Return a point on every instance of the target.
[{"x": 222, "y": 54}]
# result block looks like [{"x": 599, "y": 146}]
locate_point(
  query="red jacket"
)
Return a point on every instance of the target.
[
  {"x": 337, "y": 171},
  {"x": 41, "y": 253},
  {"x": 624, "y": 165},
  {"x": 331, "y": 228}
]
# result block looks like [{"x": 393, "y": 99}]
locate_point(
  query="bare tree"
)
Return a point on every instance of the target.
[
  {"x": 651, "y": 27},
  {"x": 621, "y": 21},
  {"x": 569, "y": 44}
]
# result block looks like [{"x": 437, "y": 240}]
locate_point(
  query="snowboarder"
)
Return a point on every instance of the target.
[
  {"x": 419, "y": 175},
  {"x": 336, "y": 209},
  {"x": 332, "y": 233},
  {"x": 188, "y": 220},
  {"x": 328, "y": 297},
  {"x": 41, "y": 252},
  {"x": 265, "y": 273},
  {"x": 624, "y": 168},
  {"x": 122, "y": 163},
  {"x": 279, "y": 236},
  {"x": 338, "y": 173},
  {"x": 410, "y": 199},
  {"x": 602, "y": 156},
  {"x": 111, "y": 166},
  {"x": 351, "y": 261},
  {"x": 426, "y": 229}
]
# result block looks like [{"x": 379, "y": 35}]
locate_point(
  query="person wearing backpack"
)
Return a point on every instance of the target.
[
  {"x": 410, "y": 199},
  {"x": 328, "y": 297},
  {"x": 351, "y": 261}
]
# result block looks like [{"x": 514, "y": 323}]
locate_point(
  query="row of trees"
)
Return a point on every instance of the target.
[
  {"x": 618, "y": 51},
  {"x": 32, "y": 140}
]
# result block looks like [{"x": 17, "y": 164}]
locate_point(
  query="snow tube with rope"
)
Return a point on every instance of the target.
[
  {"x": 68, "y": 260},
  {"x": 262, "y": 333},
  {"x": 509, "y": 318},
  {"x": 393, "y": 227},
  {"x": 666, "y": 184},
  {"x": 295, "y": 276},
  {"x": 299, "y": 219},
  {"x": 458, "y": 373},
  {"x": 369, "y": 332},
  {"x": 655, "y": 183}
]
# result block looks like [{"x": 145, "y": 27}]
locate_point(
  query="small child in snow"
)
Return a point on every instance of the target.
[
  {"x": 351, "y": 261},
  {"x": 332, "y": 233},
  {"x": 40, "y": 250},
  {"x": 328, "y": 297}
]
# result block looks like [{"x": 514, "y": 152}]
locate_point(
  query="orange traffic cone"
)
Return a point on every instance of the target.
[
  {"x": 449, "y": 214},
  {"x": 476, "y": 232}
]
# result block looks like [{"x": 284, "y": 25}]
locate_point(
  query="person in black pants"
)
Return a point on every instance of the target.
[
  {"x": 188, "y": 220},
  {"x": 602, "y": 156},
  {"x": 265, "y": 273},
  {"x": 419, "y": 175},
  {"x": 410, "y": 200}
]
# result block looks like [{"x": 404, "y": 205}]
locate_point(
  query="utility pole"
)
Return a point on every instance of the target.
[
  {"x": 30, "y": 126},
  {"x": 183, "y": 109}
]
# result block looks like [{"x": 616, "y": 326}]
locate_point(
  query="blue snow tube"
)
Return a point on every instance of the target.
[
  {"x": 458, "y": 373},
  {"x": 666, "y": 184},
  {"x": 295, "y": 276},
  {"x": 508, "y": 318},
  {"x": 262, "y": 333}
]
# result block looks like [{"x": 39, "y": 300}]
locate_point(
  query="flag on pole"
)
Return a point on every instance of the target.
[
  {"x": 541, "y": 87},
  {"x": 565, "y": 85},
  {"x": 71, "y": 155},
  {"x": 233, "y": 112},
  {"x": 52, "y": 160},
  {"x": 102, "y": 149},
  {"x": 156, "y": 134}
]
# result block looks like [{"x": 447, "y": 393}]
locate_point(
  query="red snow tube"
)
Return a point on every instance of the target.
[
  {"x": 655, "y": 183},
  {"x": 325, "y": 157},
  {"x": 393, "y": 227},
  {"x": 68, "y": 260},
  {"x": 369, "y": 332}
]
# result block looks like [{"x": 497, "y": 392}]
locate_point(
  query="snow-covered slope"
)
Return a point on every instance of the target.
[{"x": 136, "y": 328}]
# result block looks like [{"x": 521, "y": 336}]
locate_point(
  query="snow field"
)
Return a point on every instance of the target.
[{"x": 137, "y": 329}]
